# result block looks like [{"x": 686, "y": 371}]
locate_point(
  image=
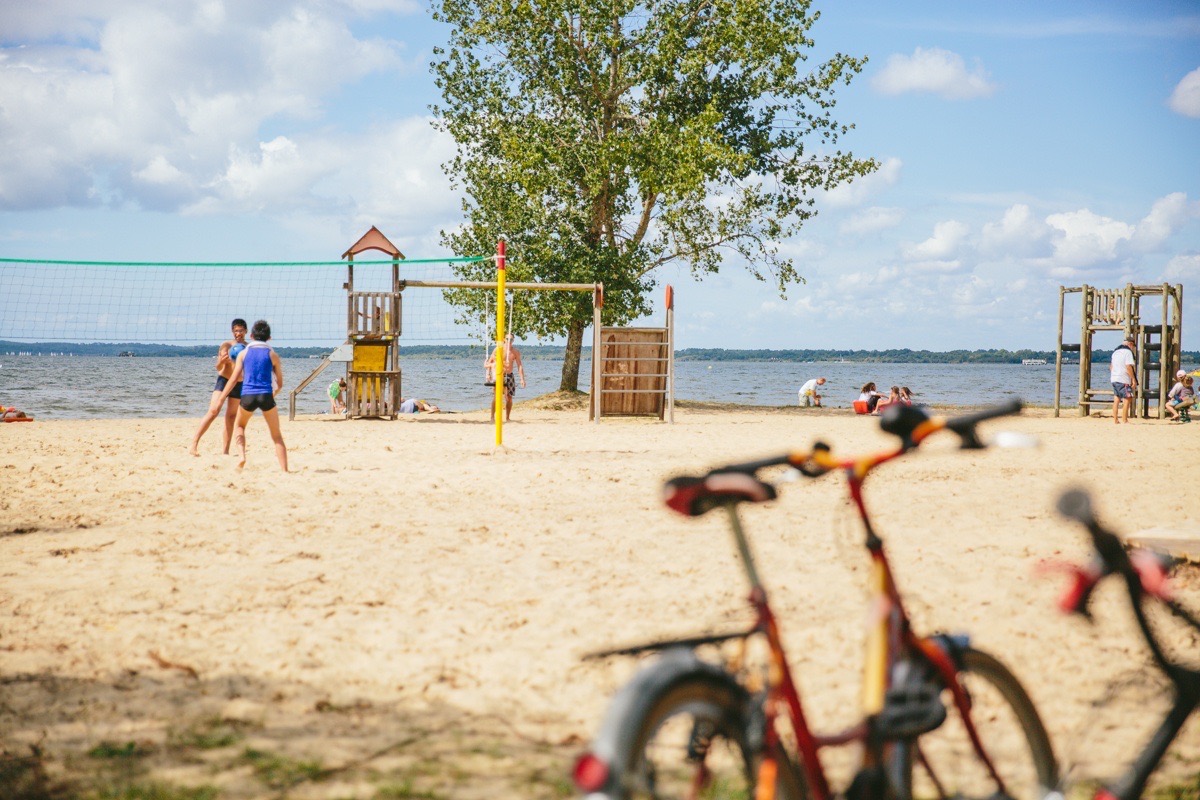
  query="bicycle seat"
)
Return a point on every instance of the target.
[{"x": 695, "y": 496}]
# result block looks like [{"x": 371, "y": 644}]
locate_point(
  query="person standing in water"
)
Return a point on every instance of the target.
[{"x": 259, "y": 365}]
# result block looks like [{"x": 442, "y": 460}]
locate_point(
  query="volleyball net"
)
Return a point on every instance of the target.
[{"x": 193, "y": 303}]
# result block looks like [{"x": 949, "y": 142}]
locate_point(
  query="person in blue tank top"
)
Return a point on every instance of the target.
[{"x": 261, "y": 376}]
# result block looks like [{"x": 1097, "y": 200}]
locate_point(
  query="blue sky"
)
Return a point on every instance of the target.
[{"x": 1024, "y": 146}]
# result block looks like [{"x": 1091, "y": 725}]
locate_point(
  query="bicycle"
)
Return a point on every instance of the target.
[
  {"x": 688, "y": 727},
  {"x": 1144, "y": 575}
]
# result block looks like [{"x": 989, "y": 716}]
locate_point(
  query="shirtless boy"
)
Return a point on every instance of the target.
[
  {"x": 227, "y": 354},
  {"x": 259, "y": 363},
  {"x": 511, "y": 360}
]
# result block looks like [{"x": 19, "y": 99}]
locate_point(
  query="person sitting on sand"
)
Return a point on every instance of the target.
[
  {"x": 412, "y": 405},
  {"x": 892, "y": 398},
  {"x": 263, "y": 373},
  {"x": 906, "y": 396},
  {"x": 1181, "y": 397},
  {"x": 870, "y": 396}
]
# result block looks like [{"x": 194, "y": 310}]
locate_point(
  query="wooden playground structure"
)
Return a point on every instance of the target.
[
  {"x": 1152, "y": 316},
  {"x": 632, "y": 368}
]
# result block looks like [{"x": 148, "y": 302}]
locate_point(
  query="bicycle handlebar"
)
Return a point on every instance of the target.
[
  {"x": 738, "y": 483},
  {"x": 1142, "y": 576}
]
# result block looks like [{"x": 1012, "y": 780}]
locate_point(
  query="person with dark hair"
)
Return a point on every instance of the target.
[
  {"x": 227, "y": 354},
  {"x": 259, "y": 365},
  {"x": 870, "y": 396}
]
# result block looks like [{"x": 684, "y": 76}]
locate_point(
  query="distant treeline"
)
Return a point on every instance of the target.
[{"x": 554, "y": 352}]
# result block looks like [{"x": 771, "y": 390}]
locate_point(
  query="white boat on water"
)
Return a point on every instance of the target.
[{"x": 1033, "y": 362}]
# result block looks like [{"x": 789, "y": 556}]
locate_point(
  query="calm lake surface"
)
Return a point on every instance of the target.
[{"x": 78, "y": 387}]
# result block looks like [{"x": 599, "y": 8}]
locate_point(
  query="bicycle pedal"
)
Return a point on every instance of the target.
[{"x": 911, "y": 709}]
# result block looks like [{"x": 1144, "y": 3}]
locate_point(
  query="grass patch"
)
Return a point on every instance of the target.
[
  {"x": 158, "y": 791},
  {"x": 280, "y": 772},
  {"x": 1187, "y": 789},
  {"x": 208, "y": 734},
  {"x": 120, "y": 752},
  {"x": 404, "y": 791}
]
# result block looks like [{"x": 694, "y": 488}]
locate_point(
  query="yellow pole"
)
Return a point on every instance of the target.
[{"x": 498, "y": 366}]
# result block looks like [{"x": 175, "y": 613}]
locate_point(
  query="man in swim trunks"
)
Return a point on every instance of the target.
[
  {"x": 511, "y": 358},
  {"x": 1124, "y": 380},
  {"x": 263, "y": 373},
  {"x": 227, "y": 353}
]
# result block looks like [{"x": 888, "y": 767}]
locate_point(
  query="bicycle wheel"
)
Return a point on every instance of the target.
[
  {"x": 694, "y": 741},
  {"x": 943, "y": 763}
]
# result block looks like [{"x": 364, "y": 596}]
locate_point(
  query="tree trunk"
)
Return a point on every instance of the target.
[{"x": 570, "y": 369}]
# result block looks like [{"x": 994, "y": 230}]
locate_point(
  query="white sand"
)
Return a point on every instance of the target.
[{"x": 411, "y": 603}]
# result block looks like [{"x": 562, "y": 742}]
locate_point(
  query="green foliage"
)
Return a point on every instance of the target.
[
  {"x": 605, "y": 139},
  {"x": 158, "y": 791},
  {"x": 280, "y": 772},
  {"x": 125, "y": 750}
]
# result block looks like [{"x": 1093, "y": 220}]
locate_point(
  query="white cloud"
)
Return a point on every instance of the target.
[
  {"x": 1166, "y": 216},
  {"x": 947, "y": 240},
  {"x": 933, "y": 71},
  {"x": 1183, "y": 268},
  {"x": 862, "y": 189},
  {"x": 1186, "y": 97},
  {"x": 187, "y": 83},
  {"x": 872, "y": 220},
  {"x": 1086, "y": 239},
  {"x": 1018, "y": 233}
]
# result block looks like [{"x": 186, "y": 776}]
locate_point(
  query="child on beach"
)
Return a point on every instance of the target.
[
  {"x": 262, "y": 375},
  {"x": 905, "y": 396},
  {"x": 1181, "y": 397},
  {"x": 337, "y": 404}
]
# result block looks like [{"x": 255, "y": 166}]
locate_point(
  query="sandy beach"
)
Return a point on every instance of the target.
[{"x": 404, "y": 614}]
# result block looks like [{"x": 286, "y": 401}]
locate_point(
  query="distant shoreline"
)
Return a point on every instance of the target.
[{"x": 555, "y": 352}]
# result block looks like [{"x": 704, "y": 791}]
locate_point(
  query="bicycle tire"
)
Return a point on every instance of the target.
[
  {"x": 698, "y": 724},
  {"x": 943, "y": 762}
]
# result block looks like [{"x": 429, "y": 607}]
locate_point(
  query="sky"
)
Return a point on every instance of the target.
[{"x": 1023, "y": 146}]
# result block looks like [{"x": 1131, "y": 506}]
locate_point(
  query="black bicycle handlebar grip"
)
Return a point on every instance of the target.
[
  {"x": 901, "y": 420},
  {"x": 1076, "y": 504},
  {"x": 966, "y": 422}
]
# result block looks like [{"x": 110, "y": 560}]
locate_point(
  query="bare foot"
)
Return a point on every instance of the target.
[
  {"x": 194, "y": 452},
  {"x": 241, "y": 463}
]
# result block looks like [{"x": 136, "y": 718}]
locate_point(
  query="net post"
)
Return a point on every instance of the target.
[{"x": 498, "y": 368}]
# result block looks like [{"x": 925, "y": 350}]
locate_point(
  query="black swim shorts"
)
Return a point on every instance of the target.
[
  {"x": 258, "y": 402},
  {"x": 510, "y": 383},
  {"x": 222, "y": 382}
]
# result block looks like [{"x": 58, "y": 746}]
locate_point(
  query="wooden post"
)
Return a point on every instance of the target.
[
  {"x": 597, "y": 305},
  {"x": 670, "y": 354},
  {"x": 1085, "y": 353},
  {"x": 1058, "y": 356}
]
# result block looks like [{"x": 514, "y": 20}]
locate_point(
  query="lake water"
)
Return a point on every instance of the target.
[{"x": 76, "y": 387}]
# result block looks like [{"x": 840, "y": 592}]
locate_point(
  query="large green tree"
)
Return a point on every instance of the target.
[{"x": 605, "y": 138}]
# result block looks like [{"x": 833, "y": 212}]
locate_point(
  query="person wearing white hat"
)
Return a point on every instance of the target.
[
  {"x": 1181, "y": 397},
  {"x": 1123, "y": 377}
]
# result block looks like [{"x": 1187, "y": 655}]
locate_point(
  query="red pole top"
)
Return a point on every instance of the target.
[{"x": 501, "y": 248}]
